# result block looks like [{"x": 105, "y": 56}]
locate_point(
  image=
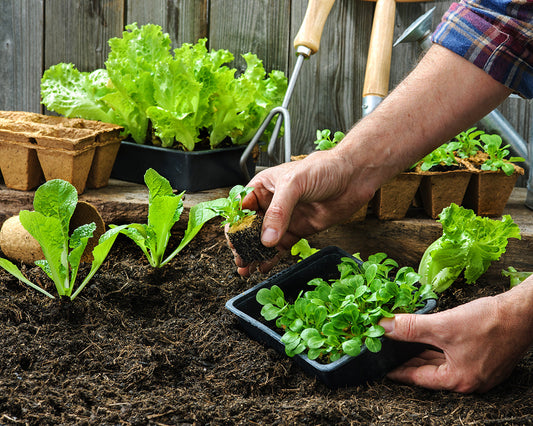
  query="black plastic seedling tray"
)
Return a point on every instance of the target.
[
  {"x": 186, "y": 171},
  {"x": 346, "y": 371}
]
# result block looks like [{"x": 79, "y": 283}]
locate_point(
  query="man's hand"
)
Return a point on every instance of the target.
[{"x": 481, "y": 342}]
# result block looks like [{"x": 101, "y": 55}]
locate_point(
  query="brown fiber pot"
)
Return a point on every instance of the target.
[
  {"x": 439, "y": 189},
  {"x": 393, "y": 199},
  {"x": 488, "y": 191},
  {"x": 81, "y": 152}
]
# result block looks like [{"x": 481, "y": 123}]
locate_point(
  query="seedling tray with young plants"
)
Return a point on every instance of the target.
[{"x": 375, "y": 357}]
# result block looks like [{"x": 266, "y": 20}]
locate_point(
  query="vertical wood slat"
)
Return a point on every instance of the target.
[
  {"x": 186, "y": 21},
  {"x": 78, "y": 31},
  {"x": 21, "y": 40}
]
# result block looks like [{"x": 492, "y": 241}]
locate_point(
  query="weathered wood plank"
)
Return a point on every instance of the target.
[
  {"x": 78, "y": 32},
  {"x": 185, "y": 20},
  {"x": 21, "y": 36}
]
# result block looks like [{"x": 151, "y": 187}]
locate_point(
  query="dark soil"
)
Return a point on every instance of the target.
[
  {"x": 157, "y": 347},
  {"x": 246, "y": 240}
]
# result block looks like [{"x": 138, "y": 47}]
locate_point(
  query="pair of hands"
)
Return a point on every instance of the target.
[{"x": 479, "y": 342}]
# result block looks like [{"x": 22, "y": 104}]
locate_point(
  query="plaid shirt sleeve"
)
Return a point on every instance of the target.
[{"x": 496, "y": 36}]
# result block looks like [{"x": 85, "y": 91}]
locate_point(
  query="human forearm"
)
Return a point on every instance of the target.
[{"x": 444, "y": 95}]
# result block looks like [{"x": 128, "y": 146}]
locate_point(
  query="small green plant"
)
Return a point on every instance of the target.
[
  {"x": 466, "y": 144},
  {"x": 492, "y": 145},
  {"x": 441, "y": 156},
  {"x": 230, "y": 208},
  {"x": 54, "y": 204},
  {"x": 164, "y": 210},
  {"x": 468, "y": 243},
  {"x": 303, "y": 249},
  {"x": 340, "y": 316},
  {"x": 323, "y": 139},
  {"x": 515, "y": 277}
]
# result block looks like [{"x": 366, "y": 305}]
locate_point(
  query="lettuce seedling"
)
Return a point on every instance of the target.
[
  {"x": 303, "y": 249},
  {"x": 441, "y": 156},
  {"x": 340, "y": 316},
  {"x": 54, "y": 204},
  {"x": 230, "y": 208},
  {"x": 515, "y": 277},
  {"x": 467, "y": 144},
  {"x": 468, "y": 243},
  {"x": 492, "y": 145},
  {"x": 164, "y": 210},
  {"x": 323, "y": 139}
]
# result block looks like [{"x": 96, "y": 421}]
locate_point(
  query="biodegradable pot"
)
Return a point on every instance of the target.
[
  {"x": 86, "y": 213},
  {"x": 488, "y": 191},
  {"x": 392, "y": 200},
  {"x": 79, "y": 151},
  {"x": 439, "y": 189},
  {"x": 348, "y": 370},
  {"x": 186, "y": 171},
  {"x": 20, "y": 166},
  {"x": 245, "y": 238},
  {"x": 72, "y": 166}
]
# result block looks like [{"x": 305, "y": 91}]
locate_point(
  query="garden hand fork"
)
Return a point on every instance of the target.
[{"x": 306, "y": 43}]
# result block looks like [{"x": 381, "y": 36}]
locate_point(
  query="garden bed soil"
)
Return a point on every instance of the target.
[{"x": 157, "y": 347}]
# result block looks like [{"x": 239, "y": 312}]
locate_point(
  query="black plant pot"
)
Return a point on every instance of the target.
[
  {"x": 186, "y": 171},
  {"x": 346, "y": 371}
]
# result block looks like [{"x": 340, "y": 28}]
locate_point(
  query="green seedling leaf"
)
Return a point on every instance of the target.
[
  {"x": 13, "y": 270},
  {"x": 336, "y": 316}
]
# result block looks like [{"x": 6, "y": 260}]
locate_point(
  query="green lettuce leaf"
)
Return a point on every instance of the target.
[{"x": 468, "y": 244}]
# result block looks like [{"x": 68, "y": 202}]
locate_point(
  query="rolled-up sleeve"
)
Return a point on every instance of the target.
[{"x": 496, "y": 36}]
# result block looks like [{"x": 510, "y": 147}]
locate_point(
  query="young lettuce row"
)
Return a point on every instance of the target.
[
  {"x": 54, "y": 204},
  {"x": 340, "y": 316},
  {"x": 468, "y": 243},
  {"x": 164, "y": 210},
  {"x": 184, "y": 93}
]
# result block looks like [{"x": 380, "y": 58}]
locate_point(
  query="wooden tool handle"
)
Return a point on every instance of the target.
[
  {"x": 380, "y": 50},
  {"x": 311, "y": 29}
]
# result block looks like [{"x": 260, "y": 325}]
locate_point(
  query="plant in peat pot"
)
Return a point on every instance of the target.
[
  {"x": 444, "y": 179},
  {"x": 54, "y": 204},
  {"x": 244, "y": 226},
  {"x": 164, "y": 210},
  {"x": 341, "y": 315},
  {"x": 493, "y": 173}
]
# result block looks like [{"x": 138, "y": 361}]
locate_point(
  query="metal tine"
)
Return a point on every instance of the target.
[{"x": 283, "y": 116}]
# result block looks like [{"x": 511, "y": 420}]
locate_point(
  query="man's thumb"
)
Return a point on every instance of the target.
[{"x": 406, "y": 327}]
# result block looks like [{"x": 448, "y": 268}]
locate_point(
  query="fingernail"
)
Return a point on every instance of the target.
[
  {"x": 387, "y": 324},
  {"x": 269, "y": 236}
]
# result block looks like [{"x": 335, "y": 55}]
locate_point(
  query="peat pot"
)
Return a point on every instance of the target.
[
  {"x": 392, "y": 200},
  {"x": 346, "y": 371},
  {"x": 488, "y": 191},
  {"x": 186, "y": 171}
]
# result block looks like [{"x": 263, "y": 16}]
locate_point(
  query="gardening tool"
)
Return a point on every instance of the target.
[
  {"x": 376, "y": 83},
  {"x": 306, "y": 43},
  {"x": 494, "y": 121},
  {"x": 418, "y": 31}
]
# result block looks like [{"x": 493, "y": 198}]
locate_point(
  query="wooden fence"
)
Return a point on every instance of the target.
[{"x": 35, "y": 34}]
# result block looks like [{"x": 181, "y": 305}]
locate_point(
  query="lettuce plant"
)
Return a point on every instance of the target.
[
  {"x": 340, "y": 316},
  {"x": 230, "y": 208},
  {"x": 467, "y": 144},
  {"x": 54, "y": 204},
  {"x": 492, "y": 145},
  {"x": 441, "y": 156},
  {"x": 302, "y": 249},
  {"x": 324, "y": 141},
  {"x": 185, "y": 94},
  {"x": 164, "y": 210},
  {"x": 468, "y": 243}
]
